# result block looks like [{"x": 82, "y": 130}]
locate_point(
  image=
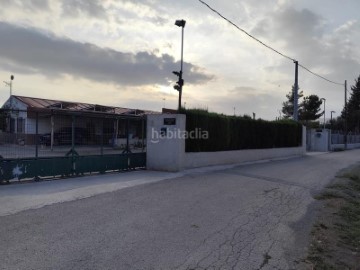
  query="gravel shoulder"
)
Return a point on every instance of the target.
[{"x": 335, "y": 235}]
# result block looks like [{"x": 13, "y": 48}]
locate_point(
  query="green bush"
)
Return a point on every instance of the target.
[{"x": 236, "y": 133}]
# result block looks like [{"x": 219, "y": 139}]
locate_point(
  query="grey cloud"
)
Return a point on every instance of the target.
[
  {"x": 299, "y": 30},
  {"x": 74, "y": 8},
  {"x": 30, "y": 5},
  {"x": 53, "y": 56},
  {"x": 307, "y": 39},
  {"x": 8, "y": 66},
  {"x": 158, "y": 20},
  {"x": 261, "y": 28},
  {"x": 243, "y": 90},
  {"x": 299, "y": 25},
  {"x": 265, "y": 105},
  {"x": 124, "y": 16}
]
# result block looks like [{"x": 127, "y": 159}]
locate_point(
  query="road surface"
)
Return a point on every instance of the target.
[{"x": 246, "y": 217}]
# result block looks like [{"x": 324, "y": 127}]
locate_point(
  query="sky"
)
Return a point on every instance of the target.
[{"x": 122, "y": 53}]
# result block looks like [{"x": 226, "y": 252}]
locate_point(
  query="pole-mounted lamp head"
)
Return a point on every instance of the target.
[
  {"x": 176, "y": 73},
  {"x": 180, "y": 23}
]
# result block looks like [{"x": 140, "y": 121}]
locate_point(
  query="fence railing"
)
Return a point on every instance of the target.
[
  {"x": 338, "y": 137},
  {"x": 52, "y": 133},
  {"x": 57, "y": 143}
]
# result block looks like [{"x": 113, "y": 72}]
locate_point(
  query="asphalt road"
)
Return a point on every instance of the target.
[{"x": 247, "y": 217}]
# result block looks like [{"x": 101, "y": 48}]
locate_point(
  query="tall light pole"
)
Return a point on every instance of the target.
[
  {"x": 180, "y": 82},
  {"x": 331, "y": 115},
  {"x": 331, "y": 118},
  {"x": 324, "y": 109},
  {"x": 10, "y": 85}
]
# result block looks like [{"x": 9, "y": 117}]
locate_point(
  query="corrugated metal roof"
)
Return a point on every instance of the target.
[{"x": 40, "y": 103}]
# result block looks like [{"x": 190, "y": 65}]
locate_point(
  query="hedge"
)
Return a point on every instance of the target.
[{"x": 236, "y": 133}]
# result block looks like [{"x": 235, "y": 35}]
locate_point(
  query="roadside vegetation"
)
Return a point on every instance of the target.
[
  {"x": 336, "y": 234},
  {"x": 228, "y": 133}
]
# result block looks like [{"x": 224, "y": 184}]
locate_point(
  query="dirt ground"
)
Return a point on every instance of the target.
[{"x": 336, "y": 234}]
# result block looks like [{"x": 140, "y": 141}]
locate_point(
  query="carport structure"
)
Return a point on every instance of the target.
[{"x": 64, "y": 139}]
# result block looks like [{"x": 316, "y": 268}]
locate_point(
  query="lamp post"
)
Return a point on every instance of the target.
[
  {"x": 331, "y": 116},
  {"x": 180, "y": 82},
  {"x": 10, "y": 85},
  {"x": 324, "y": 109}
]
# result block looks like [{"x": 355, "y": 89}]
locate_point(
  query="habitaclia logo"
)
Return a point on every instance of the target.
[{"x": 166, "y": 134}]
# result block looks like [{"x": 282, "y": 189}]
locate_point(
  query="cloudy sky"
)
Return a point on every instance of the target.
[{"x": 123, "y": 52}]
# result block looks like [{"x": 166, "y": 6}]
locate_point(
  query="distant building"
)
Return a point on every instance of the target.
[{"x": 48, "y": 116}]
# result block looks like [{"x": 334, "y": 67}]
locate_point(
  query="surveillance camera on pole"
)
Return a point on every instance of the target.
[{"x": 180, "y": 82}]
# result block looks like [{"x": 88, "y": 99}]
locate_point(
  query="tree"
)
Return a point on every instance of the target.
[
  {"x": 288, "y": 105},
  {"x": 338, "y": 123},
  {"x": 310, "y": 108},
  {"x": 353, "y": 107}
]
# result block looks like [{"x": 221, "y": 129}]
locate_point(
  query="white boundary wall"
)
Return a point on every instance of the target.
[
  {"x": 164, "y": 154},
  {"x": 168, "y": 154},
  {"x": 335, "y": 147},
  {"x": 202, "y": 159}
]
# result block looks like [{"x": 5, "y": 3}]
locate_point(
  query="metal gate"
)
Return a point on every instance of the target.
[{"x": 37, "y": 144}]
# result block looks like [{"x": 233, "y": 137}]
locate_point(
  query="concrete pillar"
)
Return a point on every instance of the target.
[{"x": 165, "y": 147}]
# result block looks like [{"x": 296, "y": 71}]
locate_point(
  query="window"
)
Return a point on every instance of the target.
[
  {"x": 20, "y": 125},
  {"x": 12, "y": 125}
]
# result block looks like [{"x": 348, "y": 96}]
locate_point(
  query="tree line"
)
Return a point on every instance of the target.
[{"x": 309, "y": 110}]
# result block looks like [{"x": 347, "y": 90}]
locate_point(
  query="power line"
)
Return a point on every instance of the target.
[
  {"x": 330, "y": 81},
  {"x": 245, "y": 32},
  {"x": 264, "y": 44}
]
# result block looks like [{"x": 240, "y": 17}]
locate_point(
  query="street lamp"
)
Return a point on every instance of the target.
[
  {"x": 10, "y": 85},
  {"x": 331, "y": 115},
  {"x": 180, "y": 82},
  {"x": 324, "y": 109},
  {"x": 331, "y": 118}
]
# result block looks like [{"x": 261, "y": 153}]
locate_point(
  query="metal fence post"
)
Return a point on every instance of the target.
[
  {"x": 52, "y": 132},
  {"x": 127, "y": 150},
  {"x": 142, "y": 134},
  {"x": 73, "y": 134},
  {"x": 37, "y": 148},
  {"x": 102, "y": 137},
  {"x": 37, "y": 136},
  {"x": 73, "y": 144}
]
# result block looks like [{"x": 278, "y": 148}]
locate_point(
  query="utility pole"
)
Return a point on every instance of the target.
[
  {"x": 324, "y": 99},
  {"x": 345, "y": 124},
  {"x": 296, "y": 89}
]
